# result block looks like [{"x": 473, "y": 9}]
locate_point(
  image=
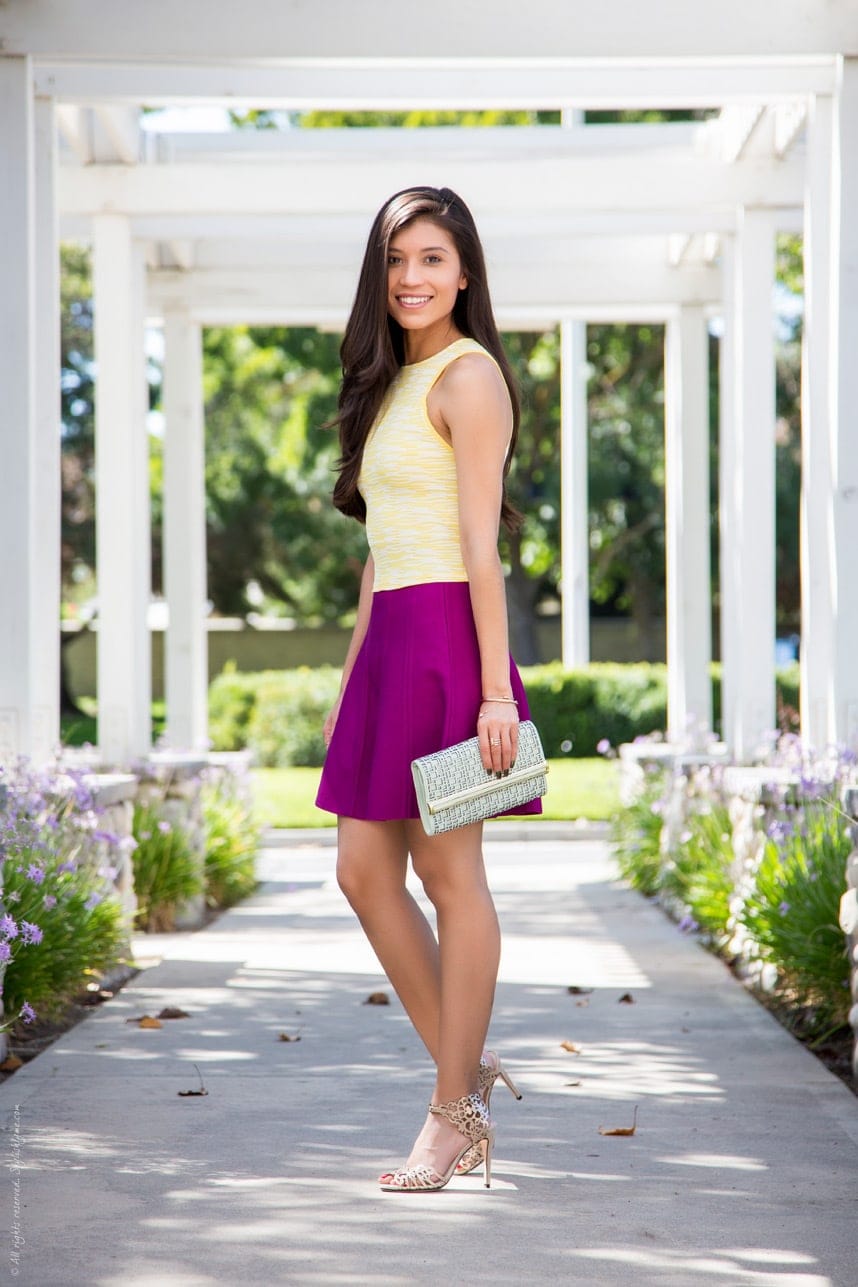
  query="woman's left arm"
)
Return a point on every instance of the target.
[{"x": 474, "y": 404}]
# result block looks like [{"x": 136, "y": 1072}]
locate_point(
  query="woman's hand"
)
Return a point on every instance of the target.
[
  {"x": 497, "y": 729},
  {"x": 330, "y": 722}
]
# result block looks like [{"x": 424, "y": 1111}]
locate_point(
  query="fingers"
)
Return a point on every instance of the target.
[{"x": 498, "y": 745}]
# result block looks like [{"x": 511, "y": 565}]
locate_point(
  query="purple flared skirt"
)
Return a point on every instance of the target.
[{"x": 415, "y": 688}]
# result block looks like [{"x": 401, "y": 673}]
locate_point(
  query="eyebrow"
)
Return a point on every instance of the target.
[{"x": 444, "y": 249}]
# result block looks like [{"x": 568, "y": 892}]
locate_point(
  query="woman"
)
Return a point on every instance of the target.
[{"x": 428, "y": 416}]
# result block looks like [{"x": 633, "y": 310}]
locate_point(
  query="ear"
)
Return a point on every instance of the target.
[{"x": 463, "y": 282}]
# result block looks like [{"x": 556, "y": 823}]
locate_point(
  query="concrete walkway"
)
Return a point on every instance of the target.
[{"x": 743, "y": 1170}]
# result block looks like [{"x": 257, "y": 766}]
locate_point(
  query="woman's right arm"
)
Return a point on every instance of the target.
[{"x": 358, "y": 634}]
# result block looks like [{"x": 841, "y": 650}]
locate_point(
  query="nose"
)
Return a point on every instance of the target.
[{"x": 409, "y": 273}]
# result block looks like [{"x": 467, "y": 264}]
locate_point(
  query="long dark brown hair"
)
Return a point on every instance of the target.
[{"x": 373, "y": 347}]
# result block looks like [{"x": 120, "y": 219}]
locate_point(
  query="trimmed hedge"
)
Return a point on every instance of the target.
[{"x": 279, "y": 714}]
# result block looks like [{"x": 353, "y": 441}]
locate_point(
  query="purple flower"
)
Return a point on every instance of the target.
[
  {"x": 5, "y": 951},
  {"x": 164, "y": 827},
  {"x": 69, "y": 865},
  {"x": 35, "y": 873},
  {"x": 30, "y": 933},
  {"x": 780, "y": 830},
  {"x": 688, "y": 924},
  {"x": 603, "y": 745},
  {"x": 49, "y": 900},
  {"x": 783, "y": 908},
  {"x": 92, "y": 901},
  {"x": 8, "y": 926},
  {"x": 27, "y": 1012},
  {"x": 109, "y": 837}
]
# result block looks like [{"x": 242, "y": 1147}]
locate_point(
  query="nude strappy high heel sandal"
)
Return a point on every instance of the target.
[
  {"x": 470, "y": 1116},
  {"x": 489, "y": 1073}
]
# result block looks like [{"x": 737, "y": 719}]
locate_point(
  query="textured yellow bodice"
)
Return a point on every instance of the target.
[{"x": 408, "y": 480}]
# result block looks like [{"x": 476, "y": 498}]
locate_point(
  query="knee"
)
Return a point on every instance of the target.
[
  {"x": 351, "y": 876},
  {"x": 445, "y": 884}
]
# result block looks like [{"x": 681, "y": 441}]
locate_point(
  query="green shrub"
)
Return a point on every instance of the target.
[
  {"x": 280, "y": 713},
  {"x": 286, "y": 724},
  {"x": 232, "y": 840},
  {"x": 792, "y": 915},
  {"x": 606, "y": 700},
  {"x": 636, "y": 836},
  {"x": 232, "y": 697},
  {"x": 165, "y": 868},
  {"x": 698, "y": 873},
  {"x": 79, "y": 937},
  {"x": 61, "y": 921}
]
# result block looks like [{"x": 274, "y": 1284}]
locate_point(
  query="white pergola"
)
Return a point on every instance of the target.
[{"x": 672, "y": 223}]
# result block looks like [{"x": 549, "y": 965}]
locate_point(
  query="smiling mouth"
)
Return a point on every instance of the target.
[{"x": 413, "y": 301}]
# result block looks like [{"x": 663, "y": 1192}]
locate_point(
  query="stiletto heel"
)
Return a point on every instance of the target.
[
  {"x": 470, "y": 1116},
  {"x": 489, "y": 1073}
]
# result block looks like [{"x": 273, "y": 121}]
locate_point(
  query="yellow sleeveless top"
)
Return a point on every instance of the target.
[{"x": 408, "y": 480}]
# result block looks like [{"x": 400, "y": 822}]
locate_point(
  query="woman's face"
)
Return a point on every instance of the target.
[{"x": 424, "y": 275}]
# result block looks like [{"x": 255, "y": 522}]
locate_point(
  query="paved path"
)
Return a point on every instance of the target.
[{"x": 743, "y": 1170}]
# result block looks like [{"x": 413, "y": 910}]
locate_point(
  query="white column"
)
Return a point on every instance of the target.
[
  {"x": 574, "y": 524},
  {"x": 843, "y": 351},
  {"x": 48, "y": 444},
  {"x": 689, "y": 597},
  {"x": 728, "y": 491},
  {"x": 185, "y": 535},
  {"x": 818, "y": 599},
  {"x": 27, "y": 706},
  {"x": 753, "y": 692},
  {"x": 123, "y": 555}
]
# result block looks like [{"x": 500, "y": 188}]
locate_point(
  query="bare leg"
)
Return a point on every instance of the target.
[
  {"x": 453, "y": 875},
  {"x": 371, "y": 867}
]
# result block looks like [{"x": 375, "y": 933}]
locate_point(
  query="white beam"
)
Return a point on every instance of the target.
[
  {"x": 122, "y": 495},
  {"x": 634, "y": 277},
  {"x": 689, "y": 597},
  {"x": 434, "y": 84},
  {"x": 185, "y": 535},
  {"x": 574, "y": 519},
  {"x": 789, "y": 119},
  {"x": 729, "y": 505},
  {"x": 752, "y": 686},
  {"x": 22, "y": 709},
  {"x": 72, "y": 122},
  {"x": 843, "y": 348},
  {"x": 353, "y": 183},
  {"x": 47, "y": 549},
  {"x": 818, "y": 562},
  {"x": 121, "y": 130},
  {"x": 635, "y": 29}
]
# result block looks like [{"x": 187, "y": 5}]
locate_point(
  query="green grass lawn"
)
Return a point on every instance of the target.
[{"x": 585, "y": 788}]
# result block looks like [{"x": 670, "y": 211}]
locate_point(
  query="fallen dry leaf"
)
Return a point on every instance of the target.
[
  {"x": 377, "y": 998},
  {"x": 571, "y": 1083},
  {"x": 621, "y": 1130},
  {"x": 146, "y": 1021},
  {"x": 202, "y": 1090},
  {"x": 10, "y": 1063},
  {"x": 571, "y": 1047},
  {"x": 627, "y": 999},
  {"x": 173, "y": 1012},
  {"x": 284, "y": 1036},
  {"x": 575, "y": 991}
]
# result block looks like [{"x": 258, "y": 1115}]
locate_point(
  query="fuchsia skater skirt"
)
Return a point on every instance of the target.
[{"x": 415, "y": 688}]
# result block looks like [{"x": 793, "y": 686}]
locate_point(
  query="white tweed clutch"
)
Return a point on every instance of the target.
[{"x": 453, "y": 789}]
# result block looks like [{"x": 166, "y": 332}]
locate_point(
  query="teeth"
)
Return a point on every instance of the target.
[{"x": 414, "y": 299}]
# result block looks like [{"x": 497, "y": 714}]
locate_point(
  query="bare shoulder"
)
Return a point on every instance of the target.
[{"x": 474, "y": 373}]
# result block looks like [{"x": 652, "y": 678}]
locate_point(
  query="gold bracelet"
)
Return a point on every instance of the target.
[{"x": 510, "y": 701}]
